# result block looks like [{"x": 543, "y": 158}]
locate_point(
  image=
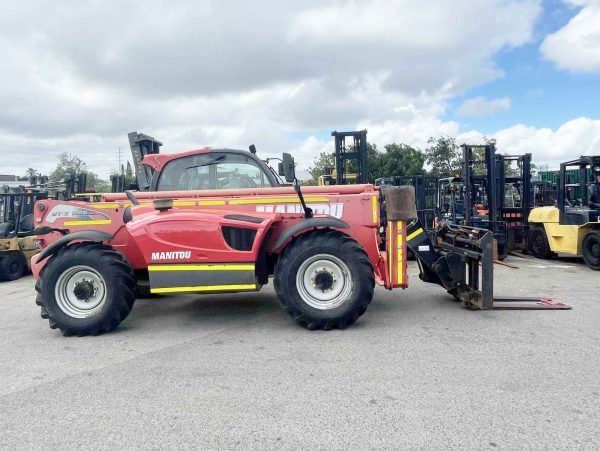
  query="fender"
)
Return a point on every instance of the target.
[
  {"x": 95, "y": 236},
  {"x": 308, "y": 224}
]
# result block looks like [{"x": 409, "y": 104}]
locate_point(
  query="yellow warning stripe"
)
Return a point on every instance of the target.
[
  {"x": 211, "y": 202},
  {"x": 400, "y": 249},
  {"x": 414, "y": 234},
  {"x": 390, "y": 248},
  {"x": 374, "y": 204},
  {"x": 204, "y": 288},
  {"x": 276, "y": 200},
  {"x": 205, "y": 267},
  {"x": 184, "y": 203},
  {"x": 103, "y": 206},
  {"x": 91, "y": 222}
]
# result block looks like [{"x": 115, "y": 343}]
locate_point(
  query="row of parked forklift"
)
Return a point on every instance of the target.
[
  {"x": 17, "y": 238},
  {"x": 558, "y": 214}
]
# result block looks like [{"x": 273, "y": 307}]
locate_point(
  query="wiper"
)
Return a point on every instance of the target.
[{"x": 210, "y": 163}]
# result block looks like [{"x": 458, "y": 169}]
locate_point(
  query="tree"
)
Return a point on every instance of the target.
[
  {"x": 129, "y": 175},
  {"x": 30, "y": 172},
  {"x": 324, "y": 161},
  {"x": 73, "y": 165},
  {"x": 400, "y": 159},
  {"x": 443, "y": 154},
  {"x": 396, "y": 159}
]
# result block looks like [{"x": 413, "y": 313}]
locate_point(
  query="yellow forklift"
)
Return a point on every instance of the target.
[
  {"x": 573, "y": 225},
  {"x": 17, "y": 241},
  {"x": 351, "y": 164}
]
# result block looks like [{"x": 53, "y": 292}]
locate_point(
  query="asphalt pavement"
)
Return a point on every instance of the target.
[{"x": 233, "y": 371}]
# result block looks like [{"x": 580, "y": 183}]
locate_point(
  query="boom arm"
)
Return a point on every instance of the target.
[{"x": 142, "y": 145}]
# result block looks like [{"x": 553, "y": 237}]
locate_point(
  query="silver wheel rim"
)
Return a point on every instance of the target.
[
  {"x": 324, "y": 281},
  {"x": 80, "y": 292}
]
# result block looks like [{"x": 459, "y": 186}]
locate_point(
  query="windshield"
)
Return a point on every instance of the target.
[{"x": 212, "y": 171}]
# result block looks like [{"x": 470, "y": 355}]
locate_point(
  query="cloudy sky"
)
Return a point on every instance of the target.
[{"x": 77, "y": 76}]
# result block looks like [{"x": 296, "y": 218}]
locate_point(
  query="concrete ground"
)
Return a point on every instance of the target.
[{"x": 416, "y": 371}]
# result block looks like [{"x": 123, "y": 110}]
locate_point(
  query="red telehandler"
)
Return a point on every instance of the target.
[{"x": 226, "y": 224}]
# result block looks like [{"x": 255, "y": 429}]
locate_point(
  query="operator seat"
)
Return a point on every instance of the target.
[
  {"x": 6, "y": 228},
  {"x": 26, "y": 226}
]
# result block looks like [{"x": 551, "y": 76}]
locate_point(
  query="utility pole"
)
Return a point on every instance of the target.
[{"x": 119, "y": 159}]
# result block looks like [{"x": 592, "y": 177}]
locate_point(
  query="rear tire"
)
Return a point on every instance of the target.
[
  {"x": 590, "y": 248},
  {"x": 539, "y": 245},
  {"x": 86, "y": 289},
  {"x": 12, "y": 265},
  {"x": 324, "y": 280}
]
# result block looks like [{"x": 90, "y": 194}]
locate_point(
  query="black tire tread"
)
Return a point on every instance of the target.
[
  {"x": 591, "y": 264},
  {"x": 5, "y": 258},
  {"x": 318, "y": 238},
  {"x": 125, "y": 286},
  {"x": 547, "y": 254}
]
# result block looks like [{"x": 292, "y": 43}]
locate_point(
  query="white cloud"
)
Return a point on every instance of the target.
[
  {"x": 480, "y": 106},
  {"x": 413, "y": 126},
  {"x": 576, "y": 46},
  {"x": 549, "y": 147},
  {"x": 231, "y": 73}
]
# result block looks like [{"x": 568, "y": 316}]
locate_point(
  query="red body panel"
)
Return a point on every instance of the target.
[
  {"x": 197, "y": 232},
  {"x": 194, "y": 223}
]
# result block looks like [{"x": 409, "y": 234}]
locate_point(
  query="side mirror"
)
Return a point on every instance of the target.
[{"x": 288, "y": 167}]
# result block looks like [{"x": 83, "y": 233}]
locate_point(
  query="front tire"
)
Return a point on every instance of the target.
[
  {"x": 12, "y": 265},
  {"x": 539, "y": 245},
  {"x": 590, "y": 248},
  {"x": 324, "y": 280},
  {"x": 86, "y": 289}
]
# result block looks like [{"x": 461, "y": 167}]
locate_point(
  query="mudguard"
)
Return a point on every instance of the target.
[
  {"x": 95, "y": 236},
  {"x": 308, "y": 224}
]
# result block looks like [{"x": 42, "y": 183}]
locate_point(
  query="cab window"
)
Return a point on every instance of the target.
[
  {"x": 212, "y": 171},
  {"x": 240, "y": 174}
]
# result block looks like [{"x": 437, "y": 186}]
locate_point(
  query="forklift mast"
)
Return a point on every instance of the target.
[
  {"x": 515, "y": 217},
  {"x": 450, "y": 201},
  {"x": 522, "y": 179},
  {"x": 355, "y": 152},
  {"x": 585, "y": 165},
  {"x": 482, "y": 188},
  {"x": 142, "y": 145}
]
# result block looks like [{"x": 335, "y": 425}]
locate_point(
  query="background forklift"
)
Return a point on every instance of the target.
[
  {"x": 351, "y": 163},
  {"x": 482, "y": 207},
  {"x": 514, "y": 198},
  {"x": 573, "y": 225},
  {"x": 17, "y": 241},
  {"x": 543, "y": 193},
  {"x": 450, "y": 201}
]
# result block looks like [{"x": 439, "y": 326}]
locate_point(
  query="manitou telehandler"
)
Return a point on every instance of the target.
[
  {"x": 231, "y": 228},
  {"x": 573, "y": 225}
]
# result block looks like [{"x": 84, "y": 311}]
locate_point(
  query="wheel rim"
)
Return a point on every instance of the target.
[
  {"x": 324, "y": 281},
  {"x": 14, "y": 267},
  {"x": 80, "y": 292}
]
